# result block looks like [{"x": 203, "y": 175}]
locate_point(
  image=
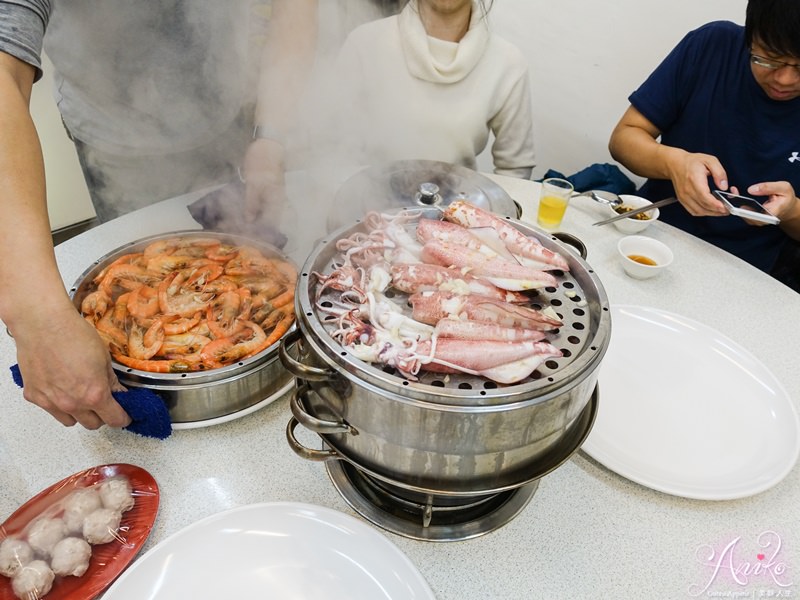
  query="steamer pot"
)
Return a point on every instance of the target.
[
  {"x": 199, "y": 396},
  {"x": 454, "y": 434}
]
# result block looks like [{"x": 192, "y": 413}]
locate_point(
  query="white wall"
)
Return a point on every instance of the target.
[{"x": 586, "y": 57}]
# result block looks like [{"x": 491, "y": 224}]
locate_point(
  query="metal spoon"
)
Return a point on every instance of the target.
[
  {"x": 601, "y": 196},
  {"x": 609, "y": 198}
]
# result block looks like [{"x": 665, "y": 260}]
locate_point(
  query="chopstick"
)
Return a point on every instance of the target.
[{"x": 637, "y": 211}]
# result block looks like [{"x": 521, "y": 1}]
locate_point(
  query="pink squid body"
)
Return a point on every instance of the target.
[
  {"x": 499, "y": 271},
  {"x": 475, "y": 330},
  {"x": 432, "y": 307},
  {"x": 503, "y": 362},
  {"x": 467, "y": 215},
  {"x": 422, "y": 277}
]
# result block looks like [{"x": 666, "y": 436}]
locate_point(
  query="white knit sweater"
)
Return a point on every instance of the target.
[{"x": 409, "y": 96}]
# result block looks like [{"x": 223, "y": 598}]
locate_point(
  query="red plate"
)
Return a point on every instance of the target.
[{"x": 108, "y": 560}]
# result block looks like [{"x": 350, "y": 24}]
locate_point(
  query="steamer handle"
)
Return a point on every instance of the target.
[
  {"x": 573, "y": 241},
  {"x": 312, "y": 423},
  {"x": 297, "y": 368},
  {"x": 303, "y": 451}
]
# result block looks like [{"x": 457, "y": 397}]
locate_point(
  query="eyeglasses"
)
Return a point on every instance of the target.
[{"x": 772, "y": 65}]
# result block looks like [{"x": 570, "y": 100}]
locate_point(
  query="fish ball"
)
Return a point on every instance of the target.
[
  {"x": 45, "y": 533},
  {"x": 79, "y": 505},
  {"x": 117, "y": 494},
  {"x": 14, "y": 554},
  {"x": 101, "y": 526},
  {"x": 33, "y": 580},
  {"x": 71, "y": 557}
]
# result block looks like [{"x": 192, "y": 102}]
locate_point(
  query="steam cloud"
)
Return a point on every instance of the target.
[{"x": 181, "y": 76}]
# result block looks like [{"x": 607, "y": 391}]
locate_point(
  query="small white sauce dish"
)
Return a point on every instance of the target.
[
  {"x": 643, "y": 257},
  {"x": 633, "y": 225}
]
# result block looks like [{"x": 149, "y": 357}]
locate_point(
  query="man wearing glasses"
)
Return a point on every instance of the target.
[{"x": 725, "y": 104}]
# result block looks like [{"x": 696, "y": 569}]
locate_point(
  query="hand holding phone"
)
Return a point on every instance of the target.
[{"x": 746, "y": 207}]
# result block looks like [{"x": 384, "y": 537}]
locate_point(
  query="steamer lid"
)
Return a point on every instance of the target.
[{"x": 416, "y": 183}]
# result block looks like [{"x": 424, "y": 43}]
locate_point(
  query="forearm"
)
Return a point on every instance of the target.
[
  {"x": 642, "y": 154},
  {"x": 286, "y": 63},
  {"x": 28, "y": 270},
  {"x": 634, "y": 143}
]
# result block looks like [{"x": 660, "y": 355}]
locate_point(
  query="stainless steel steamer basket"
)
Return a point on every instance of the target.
[
  {"x": 199, "y": 396},
  {"x": 453, "y": 434}
]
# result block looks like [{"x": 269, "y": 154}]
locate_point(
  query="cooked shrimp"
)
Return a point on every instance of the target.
[
  {"x": 222, "y": 252},
  {"x": 143, "y": 302},
  {"x": 220, "y": 284},
  {"x": 180, "y": 365},
  {"x": 230, "y": 349},
  {"x": 223, "y": 315},
  {"x": 110, "y": 333},
  {"x": 95, "y": 305},
  {"x": 283, "y": 299},
  {"x": 183, "y": 343},
  {"x": 276, "y": 316},
  {"x": 187, "y": 304},
  {"x": 126, "y": 276},
  {"x": 201, "y": 276},
  {"x": 139, "y": 348},
  {"x": 183, "y": 305},
  {"x": 162, "y": 264},
  {"x": 174, "y": 325},
  {"x": 281, "y": 327},
  {"x": 126, "y": 259}
]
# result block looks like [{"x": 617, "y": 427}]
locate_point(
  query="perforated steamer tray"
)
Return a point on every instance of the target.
[{"x": 579, "y": 300}]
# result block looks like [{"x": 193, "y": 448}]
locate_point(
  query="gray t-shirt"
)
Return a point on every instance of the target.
[
  {"x": 22, "y": 26},
  {"x": 138, "y": 76}
]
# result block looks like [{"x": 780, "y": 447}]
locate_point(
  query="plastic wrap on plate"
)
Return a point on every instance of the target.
[{"x": 75, "y": 537}]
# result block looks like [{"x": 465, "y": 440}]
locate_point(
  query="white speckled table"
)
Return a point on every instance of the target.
[{"x": 587, "y": 533}]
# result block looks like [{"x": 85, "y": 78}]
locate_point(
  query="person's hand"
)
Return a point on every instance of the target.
[
  {"x": 264, "y": 175},
  {"x": 781, "y": 202},
  {"x": 689, "y": 173},
  {"x": 66, "y": 370}
]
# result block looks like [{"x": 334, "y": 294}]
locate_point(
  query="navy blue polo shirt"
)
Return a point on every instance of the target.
[{"x": 704, "y": 98}]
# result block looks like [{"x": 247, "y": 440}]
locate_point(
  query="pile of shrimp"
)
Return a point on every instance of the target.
[{"x": 190, "y": 304}]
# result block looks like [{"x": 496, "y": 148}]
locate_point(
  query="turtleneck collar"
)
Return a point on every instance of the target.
[{"x": 437, "y": 60}]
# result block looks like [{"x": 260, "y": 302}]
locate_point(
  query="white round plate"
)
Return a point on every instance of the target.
[
  {"x": 291, "y": 551},
  {"x": 687, "y": 411},
  {"x": 235, "y": 415}
]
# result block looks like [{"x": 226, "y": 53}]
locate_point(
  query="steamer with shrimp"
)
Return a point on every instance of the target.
[
  {"x": 448, "y": 355},
  {"x": 195, "y": 316}
]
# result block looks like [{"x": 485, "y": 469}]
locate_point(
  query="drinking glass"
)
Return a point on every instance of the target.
[{"x": 553, "y": 201}]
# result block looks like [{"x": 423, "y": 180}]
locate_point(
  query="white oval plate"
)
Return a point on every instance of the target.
[
  {"x": 291, "y": 551},
  {"x": 687, "y": 411}
]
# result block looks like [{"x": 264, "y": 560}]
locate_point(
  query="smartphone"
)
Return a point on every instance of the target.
[{"x": 746, "y": 207}]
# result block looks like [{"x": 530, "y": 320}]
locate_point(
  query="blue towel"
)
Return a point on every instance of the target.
[
  {"x": 148, "y": 412},
  {"x": 604, "y": 177}
]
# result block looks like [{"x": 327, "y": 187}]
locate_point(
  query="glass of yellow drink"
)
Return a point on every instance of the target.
[{"x": 553, "y": 200}]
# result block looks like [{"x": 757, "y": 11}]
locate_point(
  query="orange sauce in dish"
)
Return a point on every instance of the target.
[{"x": 642, "y": 260}]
